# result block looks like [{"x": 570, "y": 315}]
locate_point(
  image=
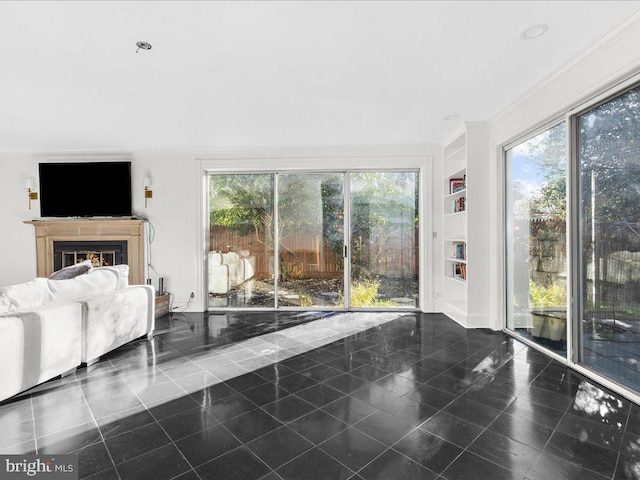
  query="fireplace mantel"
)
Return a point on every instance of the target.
[{"x": 90, "y": 229}]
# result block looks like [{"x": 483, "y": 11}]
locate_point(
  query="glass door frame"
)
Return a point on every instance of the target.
[
  {"x": 575, "y": 195},
  {"x": 569, "y": 233},
  {"x": 573, "y": 358},
  {"x": 423, "y": 262},
  {"x": 346, "y": 220}
]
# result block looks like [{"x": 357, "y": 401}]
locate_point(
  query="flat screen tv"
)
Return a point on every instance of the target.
[{"x": 85, "y": 189}]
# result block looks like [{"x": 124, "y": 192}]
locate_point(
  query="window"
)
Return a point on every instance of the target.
[
  {"x": 329, "y": 240},
  {"x": 603, "y": 271},
  {"x": 536, "y": 221},
  {"x": 608, "y": 166}
]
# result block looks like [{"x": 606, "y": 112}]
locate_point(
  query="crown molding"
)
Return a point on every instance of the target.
[{"x": 626, "y": 32}]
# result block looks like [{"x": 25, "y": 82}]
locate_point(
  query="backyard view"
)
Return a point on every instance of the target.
[
  {"x": 310, "y": 231},
  {"x": 609, "y": 162},
  {"x": 536, "y": 238},
  {"x": 608, "y": 243}
]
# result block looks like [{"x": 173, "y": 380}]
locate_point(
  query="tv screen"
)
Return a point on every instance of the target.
[{"x": 89, "y": 189}]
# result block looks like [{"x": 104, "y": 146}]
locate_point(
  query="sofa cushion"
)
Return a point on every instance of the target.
[
  {"x": 72, "y": 271},
  {"x": 123, "y": 274},
  {"x": 4, "y": 305},
  {"x": 229, "y": 258},
  {"x": 215, "y": 258},
  {"x": 38, "y": 344},
  {"x": 25, "y": 295},
  {"x": 113, "y": 319},
  {"x": 93, "y": 283}
]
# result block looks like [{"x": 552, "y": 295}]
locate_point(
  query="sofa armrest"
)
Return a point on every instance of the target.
[
  {"x": 219, "y": 278},
  {"x": 249, "y": 267},
  {"x": 38, "y": 344},
  {"x": 112, "y": 319}
]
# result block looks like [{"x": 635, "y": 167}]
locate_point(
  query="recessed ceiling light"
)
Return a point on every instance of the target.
[
  {"x": 452, "y": 117},
  {"x": 143, "y": 45},
  {"x": 534, "y": 32}
]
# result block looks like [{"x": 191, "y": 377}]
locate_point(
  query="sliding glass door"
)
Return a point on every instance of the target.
[
  {"x": 536, "y": 228},
  {"x": 329, "y": 240},
  {"x": 311, "y": 239},
  {"x": 603, "y": 274},
  {"x": 240, "y": 261},
  {"x": 608, "y": 164},
  {"x": 384, "y": 239}
]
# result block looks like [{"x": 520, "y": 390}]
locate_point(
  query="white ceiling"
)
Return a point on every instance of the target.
[{"x": 249, "y": 74}]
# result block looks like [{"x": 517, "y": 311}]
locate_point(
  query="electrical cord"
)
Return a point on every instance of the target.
[
  {"x": 151, "y": 235},
  {"x": 186, "y": 304}
]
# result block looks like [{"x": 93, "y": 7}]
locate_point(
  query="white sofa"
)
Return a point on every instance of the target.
[
  {"x": 228, "y": 270},
  {"x": 49, "y": 327}
]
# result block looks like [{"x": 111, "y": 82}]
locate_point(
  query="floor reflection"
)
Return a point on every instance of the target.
[{"x": 267, "y": 396}]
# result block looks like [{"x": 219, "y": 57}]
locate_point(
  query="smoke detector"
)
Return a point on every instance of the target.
[{"x": 143, "y": 45}]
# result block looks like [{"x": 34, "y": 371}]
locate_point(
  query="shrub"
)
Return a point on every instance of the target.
[
  {"x": 554, "y": 295},
  {"x": 305, "y": 300},
  {"x": 364, "y": 293}
]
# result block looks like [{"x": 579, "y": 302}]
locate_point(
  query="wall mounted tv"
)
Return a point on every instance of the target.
[{"x": 85, "y": 189}]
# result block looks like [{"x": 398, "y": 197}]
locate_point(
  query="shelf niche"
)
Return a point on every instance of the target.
[{"x": 466, "y": 243}]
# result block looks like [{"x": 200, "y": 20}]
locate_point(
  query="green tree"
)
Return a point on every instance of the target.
[
  {"x": 383, "y": 206},
  {"x": 243, "y": 203},
  {"x": 609, "y": 153},
  {"x": 608, "y": 150}
]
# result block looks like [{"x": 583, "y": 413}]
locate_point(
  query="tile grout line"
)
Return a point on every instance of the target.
[
  {"x": 33, "y": 419},
  {"x": 624, "y": 431},
  {"x": 466, "y": 449},
  {"x": 155, "y": 420},
  {"x": 95, "y": 421},
  {"x": 372, "y": 335}
]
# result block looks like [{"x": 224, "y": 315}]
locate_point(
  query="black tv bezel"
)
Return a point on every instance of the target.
[{"x": 81, "y": 191}]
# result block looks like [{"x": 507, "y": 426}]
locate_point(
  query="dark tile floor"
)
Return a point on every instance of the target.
[{"x": 417, "y": 397}]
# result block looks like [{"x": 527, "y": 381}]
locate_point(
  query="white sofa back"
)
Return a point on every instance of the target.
[
  {"x": 48, "y": 327},
  {"x": 38, "y": 344},
  {"x": 25, "y": 295},
  {"x": 83, "y": 286},
  {"x": 41, "y": 291}
]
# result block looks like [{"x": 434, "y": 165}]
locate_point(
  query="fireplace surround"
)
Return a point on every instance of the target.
[{"x": 88, "y": 234}]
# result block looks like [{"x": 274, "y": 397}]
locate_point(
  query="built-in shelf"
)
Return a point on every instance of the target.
[
  {"x": 459, "y": 193},
  {"x": 455, "y": 260},
  {"x": 455, "y": 213},
  {"x": 465, "y": 252}
]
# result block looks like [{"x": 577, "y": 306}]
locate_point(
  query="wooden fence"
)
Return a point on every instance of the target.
[{"x": 306, "y": 255}]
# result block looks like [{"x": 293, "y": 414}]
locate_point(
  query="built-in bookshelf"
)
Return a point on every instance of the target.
[
  {"x": 456, "y": 260},
  {"x": 465, "y": 157}
]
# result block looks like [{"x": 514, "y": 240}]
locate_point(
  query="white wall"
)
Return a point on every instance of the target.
[
  {"x": 17, "y": 240},
  {"x": 611, "y": 61},
  {"x": 175, "y": 211},
  {"x": 172, "y": 212}
]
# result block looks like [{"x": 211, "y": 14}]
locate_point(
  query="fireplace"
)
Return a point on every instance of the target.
[
  {"x": 61, "y": 242},
  {"x": 101, "y": 253}
]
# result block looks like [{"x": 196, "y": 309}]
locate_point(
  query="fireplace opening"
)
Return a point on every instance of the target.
[{"x": 101, "y": 253}]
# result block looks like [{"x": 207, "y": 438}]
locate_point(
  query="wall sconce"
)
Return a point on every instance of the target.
[
  {"x": 30, "y": 193},
  {"x": 148, "y": 193}
]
